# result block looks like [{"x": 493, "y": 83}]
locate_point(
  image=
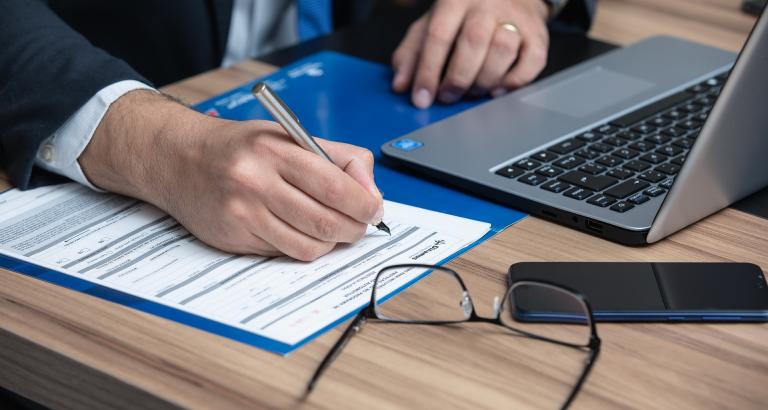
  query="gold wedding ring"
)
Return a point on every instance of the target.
[{"x": 509, "y": 26}]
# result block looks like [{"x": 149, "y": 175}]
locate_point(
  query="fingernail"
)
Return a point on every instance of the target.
[
  {"x": 422, "y": 98},
  {"x": 449, "y": 97},
  {"x": 498, "y": 92},
  {"x": 379, "y": 215}
]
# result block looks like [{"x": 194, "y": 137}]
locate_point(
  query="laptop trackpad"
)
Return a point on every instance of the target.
[{"x": 588, "y": 92}]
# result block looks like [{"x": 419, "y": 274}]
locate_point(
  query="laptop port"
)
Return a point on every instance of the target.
[
  {"x": 549, "y": 214},
  {"x": 593, "y": 226}
]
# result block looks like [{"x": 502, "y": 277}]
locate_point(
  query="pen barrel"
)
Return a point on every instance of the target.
[{"x": 287, "y": 119}]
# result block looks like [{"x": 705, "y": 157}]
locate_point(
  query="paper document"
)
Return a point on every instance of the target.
[{"x": 134, "y": 248}]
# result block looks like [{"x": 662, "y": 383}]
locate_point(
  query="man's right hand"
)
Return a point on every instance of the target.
[{"x": 243, "y": 187}]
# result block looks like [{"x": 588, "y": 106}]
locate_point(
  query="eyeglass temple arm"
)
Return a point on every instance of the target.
[{"x": 353, "y": 328}]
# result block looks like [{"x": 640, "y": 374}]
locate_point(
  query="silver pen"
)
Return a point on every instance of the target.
[{"x": 288, "y": 120}]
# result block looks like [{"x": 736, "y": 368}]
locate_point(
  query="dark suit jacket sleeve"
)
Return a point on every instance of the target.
[{"x": 47, "y": 71}]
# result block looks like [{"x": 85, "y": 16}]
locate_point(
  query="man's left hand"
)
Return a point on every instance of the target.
[{"x": 485, "y": 55}]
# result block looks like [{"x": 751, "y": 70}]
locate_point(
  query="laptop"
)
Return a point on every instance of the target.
[{"x": 631, "y": 146}]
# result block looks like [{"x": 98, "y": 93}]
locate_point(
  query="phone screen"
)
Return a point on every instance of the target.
[{"x": 626, "y": 291}]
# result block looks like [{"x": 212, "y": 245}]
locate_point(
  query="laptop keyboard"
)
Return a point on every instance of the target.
[{"x": 624, "y": 163}]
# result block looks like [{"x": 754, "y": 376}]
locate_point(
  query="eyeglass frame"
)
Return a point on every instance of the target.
[{"x": 371, "y": 311}]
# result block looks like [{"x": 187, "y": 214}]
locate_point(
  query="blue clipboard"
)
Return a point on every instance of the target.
[{"x": 339, "y": 98}]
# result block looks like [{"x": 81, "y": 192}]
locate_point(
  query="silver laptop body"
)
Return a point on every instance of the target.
[{"x": 479, "y": 149}]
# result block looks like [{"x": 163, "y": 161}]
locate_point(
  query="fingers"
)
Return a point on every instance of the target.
[
  {"x": 407, "y": 55},
  {"x": 289, "y": 240},
  {"x": 355, "y": 161},
  {"x": 532, "y": 59},
  {"x": 305, "y": 214},
  {"x": 329, "y": 185},
  {"x": 501, "y": 54},
  {"x": 467, "y": 59},
  {"x": 442, "y": 27}
]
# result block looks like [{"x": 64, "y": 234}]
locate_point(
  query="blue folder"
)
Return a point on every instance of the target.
[
  {"x": 346, "y": 99},
  {"x": 339, "y": 98}
]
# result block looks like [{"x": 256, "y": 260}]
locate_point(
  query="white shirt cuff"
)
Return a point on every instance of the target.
[{"x": 59, "y": 153}]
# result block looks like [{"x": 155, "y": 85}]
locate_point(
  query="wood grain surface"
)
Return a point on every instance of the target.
[{"x": 69, "y": 350}]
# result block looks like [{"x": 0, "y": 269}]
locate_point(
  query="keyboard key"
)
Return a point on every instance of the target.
[
  {"x": 569, "y": 162},
  {"x": 637, "y": 165},
  {"x": 567, "y": 146},
  {"x": 651, "y": 109},
  {"x": 622, "y": 207},
  {"x": 620, "y": 173},
  {"x": 659, "y": 121},
  {"x": 628, "y": 135},
  {"x": 642, "y": 146},
  {"x": 657, "y": 139},
  {"x": 627, "y": 188},
  {"x": 699, "y": 88},
  {"x": 556, "y": 186},
  {"x": 652, "y": 176},
  {"x": 509, "y": 172},
  {"x": 675, "y": 115},
  {"x": 587, "y": 153},
  {"x": 600, "y": 147},
  {"x": 678, "y": 160},
  {"x": 654, "y": 191},
  {"x": 685, "y": 143},
  {"x": 702, "y": 116},
  {"x": 590, "y": 136},
  {"x": 601, "y": 200},
  {"x": 674, "y": 131},
  {"x": 609, "y": 161},
  {"x": 549, "y": 171},
  {"x": 545, "y": 156},
  {"x": 532, "y": 179},
  {"x": 625, "y": 153},
  {"x": 690, "y": 108},
  {"x": 690, "y": 124},
  {"x": 644, "y": 129},
  {"x": 578, "y": 193},
  {"x": 606, "y": 129},
  {"x": 528, "y": 164},
  {"x": 669, "y": 150},
  {"x": 669, "y": 169},
  {"x": 638, "y": 198},
  {"x": 591, "y": 182},
  {"x": 667, "y": 184},
  {"x": 704, "y": 101},
  {"x": 654, "y": 158},
  {"x": 615, "y": 141},
  {"x": 592, "y": 169}
]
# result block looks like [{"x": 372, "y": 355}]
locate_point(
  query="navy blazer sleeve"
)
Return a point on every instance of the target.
[{"x": 47, "y": 72}]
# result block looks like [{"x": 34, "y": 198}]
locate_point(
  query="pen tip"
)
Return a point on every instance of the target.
[{"x": 383, "y": 227}]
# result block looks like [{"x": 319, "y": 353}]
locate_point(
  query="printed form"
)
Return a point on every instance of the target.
[{"x": 135, "y": 248}]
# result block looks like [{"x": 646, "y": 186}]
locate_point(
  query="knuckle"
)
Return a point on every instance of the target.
[
  {"x": 367, "y": 156},
  {"x": 437, "y": 34},
  {"x": 475, "y": 35},
  {"x": 505, "y": 45},
  {"x": 334, "y": 192},
  {"x": 309, "y": 251},
  {"x": 458, "y": 80},
  {"x": 328, "y": 229}
]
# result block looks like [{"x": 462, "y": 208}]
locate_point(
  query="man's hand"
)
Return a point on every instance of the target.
[
  {"x": 481, "y": 52},
  {"x": 243, "y": 187}
]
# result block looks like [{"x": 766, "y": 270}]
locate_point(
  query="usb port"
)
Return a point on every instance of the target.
[{"x": 593, "y": 226}]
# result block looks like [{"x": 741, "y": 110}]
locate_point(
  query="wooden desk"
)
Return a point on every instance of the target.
[{"x": 65, "y": 349}]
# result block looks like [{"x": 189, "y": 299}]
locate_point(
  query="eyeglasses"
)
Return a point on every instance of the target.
[{"x": 534, "y": 309}]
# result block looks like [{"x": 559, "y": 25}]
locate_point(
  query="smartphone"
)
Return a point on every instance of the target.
[{"x": 651, "y": 291}]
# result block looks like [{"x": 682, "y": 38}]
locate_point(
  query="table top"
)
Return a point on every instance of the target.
[{"x": 65, "y": 349}]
